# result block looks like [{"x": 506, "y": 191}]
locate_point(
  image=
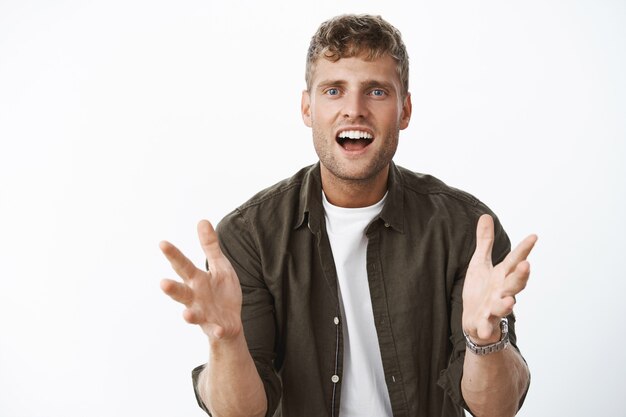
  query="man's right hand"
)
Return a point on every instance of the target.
[{"x": 213, "y": 298}]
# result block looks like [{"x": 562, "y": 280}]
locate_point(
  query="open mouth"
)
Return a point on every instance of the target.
[{"x": 354, "y": 140}]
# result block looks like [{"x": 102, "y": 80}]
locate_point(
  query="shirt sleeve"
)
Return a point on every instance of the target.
[
  {"x": 450, "y": 378},
  {"x": 239, "y": 245}
]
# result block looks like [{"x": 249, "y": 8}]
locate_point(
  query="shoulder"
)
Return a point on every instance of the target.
[
  {"x": 418, "y": 185},
  {"x": 274, "y": 205},
  {"x": 428, "y": 201},
  {"x": 279, "y": 192}
]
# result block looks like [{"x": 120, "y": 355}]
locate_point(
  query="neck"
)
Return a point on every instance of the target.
[{"x": 354, "y": 193}]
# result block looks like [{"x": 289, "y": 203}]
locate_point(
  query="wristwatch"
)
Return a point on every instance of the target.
[{"x": 494, "y": 347}]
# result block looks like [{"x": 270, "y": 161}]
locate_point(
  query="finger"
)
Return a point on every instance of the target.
[
  {"x": 484, "y": 330},
  {"x": 519, "y": 254},
  {"x": 181, "y": 265},
  {"x": 516, "y": 281},
  {"x": 209, "y": 242},
  {"x": 484, "y": 239},
  {"x": 218, "y": 332},
  {"x": 177, "y": 291},
  {"x": 503, "y": 307},
  {"x": 191, "y": 317}
]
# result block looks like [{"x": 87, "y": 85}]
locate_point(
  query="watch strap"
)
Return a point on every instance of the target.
[{"x": 491, "y": 348}]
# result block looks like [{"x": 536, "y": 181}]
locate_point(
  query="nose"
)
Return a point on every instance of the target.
[{"x": 354, "y": 107}]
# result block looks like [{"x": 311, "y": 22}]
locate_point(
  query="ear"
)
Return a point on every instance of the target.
[
  {"x": 305, "y": 108},
  {"x": 407, "y": 108}
]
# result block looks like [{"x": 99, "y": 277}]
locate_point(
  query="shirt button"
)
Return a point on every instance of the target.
[
  {"x": 336, "y": 320},
  {"x": 335, "y": 379}
]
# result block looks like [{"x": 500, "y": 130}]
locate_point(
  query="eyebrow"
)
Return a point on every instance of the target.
[
  {"x": 366, "y": 84},
  {"x": 378, "y": 84},
  {"x": 330, "y": 83}
]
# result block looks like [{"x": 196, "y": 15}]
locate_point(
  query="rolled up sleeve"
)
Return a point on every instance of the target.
[
  {"x": 240, "y": 247},
  {"x": 450, "y": 378}
]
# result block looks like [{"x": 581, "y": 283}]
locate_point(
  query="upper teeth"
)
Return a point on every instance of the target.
[{"x": 355, "y": 134}]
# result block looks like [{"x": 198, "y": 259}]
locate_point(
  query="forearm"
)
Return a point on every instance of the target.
[
  {"x": 230, "y": 385},
  {"x": 493, "y": 384}
]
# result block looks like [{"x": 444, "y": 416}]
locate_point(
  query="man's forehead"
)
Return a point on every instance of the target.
[{"x": 357, "y": 68}]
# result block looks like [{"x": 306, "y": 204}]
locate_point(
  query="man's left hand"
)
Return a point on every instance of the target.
[{"x": 489, "y": 291}]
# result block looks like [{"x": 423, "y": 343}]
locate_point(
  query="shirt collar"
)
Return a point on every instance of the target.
[
  {"x": 311, "y": 211},
  {"x": 393, "y": 210}
]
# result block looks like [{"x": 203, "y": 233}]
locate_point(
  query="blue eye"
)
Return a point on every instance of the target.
[
  {"x": 332, "y": 91},
  {"x": 378, "y": 92}
]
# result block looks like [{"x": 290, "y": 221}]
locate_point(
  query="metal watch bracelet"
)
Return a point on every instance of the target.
[{"x": 494, "y": 347}]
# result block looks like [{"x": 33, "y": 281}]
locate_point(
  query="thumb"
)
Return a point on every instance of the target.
[
  {"x": 209, "y": 242},
  {"x": 484, "y": 239}
]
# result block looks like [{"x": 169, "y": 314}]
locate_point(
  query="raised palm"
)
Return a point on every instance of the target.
[
  {"x": 489, "y": 291},
  {"x": 212, "y": 298}
]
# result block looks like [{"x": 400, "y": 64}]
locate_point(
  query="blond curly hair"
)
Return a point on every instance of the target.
[{"x": 351, "y": 35}]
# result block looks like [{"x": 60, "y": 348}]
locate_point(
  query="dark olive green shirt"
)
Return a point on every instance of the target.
[{"x": 417, "y": 254}]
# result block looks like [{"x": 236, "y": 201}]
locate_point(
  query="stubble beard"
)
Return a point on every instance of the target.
[{"x": 357, "y": 172}]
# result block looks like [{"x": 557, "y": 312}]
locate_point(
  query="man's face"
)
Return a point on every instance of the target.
[{"x": 356, "y": 110}]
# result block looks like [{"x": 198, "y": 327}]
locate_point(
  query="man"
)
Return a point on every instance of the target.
[{"x": 356, "y": 287}]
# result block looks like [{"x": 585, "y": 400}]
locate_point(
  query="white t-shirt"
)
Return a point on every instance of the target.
[{"x": 364, "y": 390}]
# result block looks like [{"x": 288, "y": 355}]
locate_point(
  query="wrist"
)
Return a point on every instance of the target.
[
  {"x": 496, "y": 335},
  {"x": 486, "y": 346}
]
